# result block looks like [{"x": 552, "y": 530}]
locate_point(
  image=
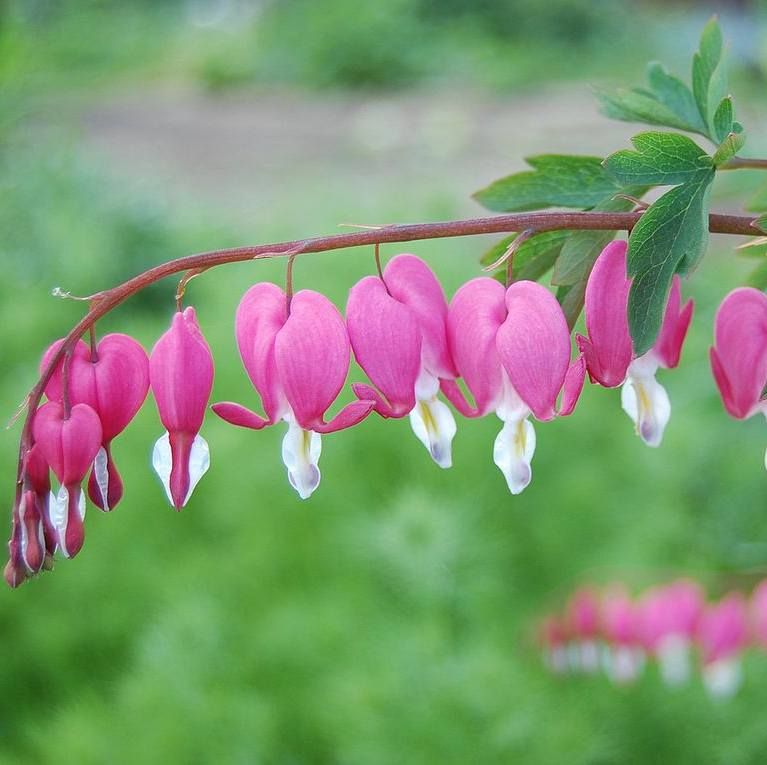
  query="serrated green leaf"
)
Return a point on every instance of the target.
[
  {"x": 760, "y": 224},
  {"x": 758, "y": 277},
  {"x": 723, "y": 119},
  {"x": 670, "y": 236},
  {"x": 709, "y": 75},
  {"x": 571, "y": 298},
  {"x": 729, "y": 147},
  {"x": 665, "y": 159},
  {"x": 636, "y": 105},
  {"x": 674, "y": 94},
  {"x": 557, "y": 180},
  {"x": 583, "y": 247},
  {"x": 534, "y": 258}
]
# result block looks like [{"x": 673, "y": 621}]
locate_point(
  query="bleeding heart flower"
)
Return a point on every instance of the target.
[
  {"x": 609, "y": 352},
  {"x": 297, "y": 360},
  {"x": 722, "y": 635},
  {"x": 512, "y": 348},
  {"x": 621, "y": 627},
  {"x": 181, "y": 376},
  {"x": 69, "y": 445},
  {"x": 759, "y": 614},
  {"x": 552, "y": 637},
  {"x": 397, "y": 328},
  {"x": 113, "y": 380},
  {"x": 739, "y": 355}
]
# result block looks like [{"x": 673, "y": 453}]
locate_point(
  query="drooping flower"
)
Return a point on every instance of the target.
[
  {"x": 582, "y": 619},
  {"x": 397, "y": 328},
  {"x": 181, "y": 376},
  {"x": 621, "y": 628},
  {"x": 113, "y": 379},
  {"x": 722, "y": 635},
  {"x": 553, "y": 637},
  {"x": 69, "y": 444},
  {"x": 739, "y": 355},
  {"x": 297, "y": 358},
  {"x": 609, "y": 352},
  {"x": 669, "y": 621},
  {"x": 512, "y": 349}
]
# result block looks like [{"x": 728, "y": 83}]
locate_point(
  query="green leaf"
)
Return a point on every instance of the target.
[
  {"x": 729, "y": 147},
  {"x": 723, "y": 119},
  {"x": 709, "y": 76},
  {"x": 534, "y": 258},
  {"x": 671, "y": 236},
  {"x": 583, "y": 247},
  {"x": 758, "y": 277},
  {"x": 557, "y": 180},
  {"x": 665, "y": 159},
  {"x": 571, "y": 298},
  {"x": 760, "y": 224},
  {"x": 634, "y": 105},
  {"x": 674, "y": 94},
  {"x": 754, "y": 248}
]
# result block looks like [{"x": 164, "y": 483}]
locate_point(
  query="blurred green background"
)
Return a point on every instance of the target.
[{"x": 388, "y": 619}]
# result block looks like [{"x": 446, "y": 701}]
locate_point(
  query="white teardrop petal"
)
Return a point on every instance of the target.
[
  {"x": 199, "y": 462},
  {"x": 674, "y": 660},
  {"x": 434, "y": 426},
  {"x": 162, "y": 462},
  {"x": 645, "y": 400},
  {"x": 723, "y": 677},
  {"x": 301, "y": 451},
  {"x": 102, "y": 476},
  {"x": 513, "y": 451}
]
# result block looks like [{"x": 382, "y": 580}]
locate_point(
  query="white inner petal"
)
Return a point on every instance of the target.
[
  {"x": 645, "y": 400},
  {"x": 301, "y": 451},
  {"x": 723, "y": 677},
  {"x": 162, "y": 462},
  {"x": 434, "y": 426},
  {"x": 58, "y": 512},
  {"x": 674, "y": 659},
  {"x": 513, "y": 451},
  {"x": 625, "y": 663},
  {"x": 102, "y": 475}
]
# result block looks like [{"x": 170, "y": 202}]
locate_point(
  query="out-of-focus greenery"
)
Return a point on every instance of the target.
[{"x": 388, "y": 618}]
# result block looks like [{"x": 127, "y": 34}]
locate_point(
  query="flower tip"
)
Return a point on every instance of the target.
[{"x": 14, "y": 576}]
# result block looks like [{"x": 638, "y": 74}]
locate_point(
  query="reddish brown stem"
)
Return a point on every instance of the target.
[{"x": 103, "y": 302}]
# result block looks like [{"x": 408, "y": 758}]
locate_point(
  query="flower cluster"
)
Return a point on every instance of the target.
[
  {"x": 497, "y": 349},
  {"x": 671, "y": 625}
]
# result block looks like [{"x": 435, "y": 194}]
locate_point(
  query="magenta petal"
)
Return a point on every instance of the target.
[
  {"x": 380, "y": 405},
  {"x": 260, "y": 315},
  {"x": 723, "y": 628},
  {"x": 122, "y": 382},
  {"x": 534, "y": 346},
  {"x": 236, "y": 414},
  {"x": 181, "y": 374},
  {"x": 476, "y": 312},
  {"x": 606, "y": 317},
  {"x": 410, "y": 281},
  {"x": 114, "y": 484},
  {"x": 676, "y": 322},
  {"x": 739, "y": 356},
  {"x": 312, "y": 357},
  {"x": 573, "y": 386},
  {"x": 69, "y": 446},
  {"x": 386, "y": 340},
  {"x": 82, "y": 381},
  {"x": 351, "y": 414},
  {"x": 454, "y": 395}
]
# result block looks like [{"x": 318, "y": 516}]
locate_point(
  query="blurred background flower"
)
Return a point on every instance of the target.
[{"x": 386, "y": 619}]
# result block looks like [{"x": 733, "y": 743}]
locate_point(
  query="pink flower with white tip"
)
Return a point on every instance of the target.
[
  {"x": 609, "y": 352},
  {"x": 397, "y": 328},
  {"x": 621, "y": 627},
  {"x": 69, "y": 442},
  {"x": 583, "y": 626},
  {"x": 722, "y": 636},
  {"x": 669, "y": 621},
  {"x": 181, "y": 376},
  {"x": 758, "y": 612},
  {"x": 739, "y": 355},
  {"x": 297, "y": 358},
  {"x": 512, "y": 348},
  {"x": 113, "y": 379},
  {"x": 552, "y": 637}
]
